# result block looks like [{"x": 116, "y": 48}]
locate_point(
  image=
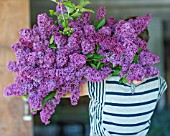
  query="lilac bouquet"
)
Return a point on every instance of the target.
[{"x": 61, "y": 52}]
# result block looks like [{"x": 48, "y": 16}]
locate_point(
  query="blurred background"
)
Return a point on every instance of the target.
[{"x": 68, "y": 120}]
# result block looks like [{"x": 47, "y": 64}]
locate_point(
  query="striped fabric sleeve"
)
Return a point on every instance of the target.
[
  {"x": 162, "y": 87},
  {"x": 89, "y": 88}
]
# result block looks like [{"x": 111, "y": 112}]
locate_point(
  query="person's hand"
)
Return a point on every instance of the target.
[{"x": 136, "y": 82}]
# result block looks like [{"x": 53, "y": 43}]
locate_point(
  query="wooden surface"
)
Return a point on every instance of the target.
[{"x": 14, "y": 15}]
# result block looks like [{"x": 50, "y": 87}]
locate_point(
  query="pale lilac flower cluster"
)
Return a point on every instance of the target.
[{"x": 42, "y": 70}]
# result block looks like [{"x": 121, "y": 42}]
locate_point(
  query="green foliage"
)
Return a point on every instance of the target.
[
  {"x": 84, "y": 3},
  {"x": 139, "y": 50},
  {"x": 89, "y": 56},
  {"x": 76, "y": 15},
  {"x": 123, "y": 80},
  {"x": 67, "y": 31},
  {"x": 98, "y": 56},
  {"x": 70, "y": 10},
  {"x": 98, "y": 65},
  {"x": 94, "y": 60},
  {"x": 54, "y": 1},
  {"x": 48, "y": 97},
  {"x": 53, "y": 13},
  {"x": 136, "y": 59},
  {"x": 99, "y": 23},
  {"x": 65, "y": 24},
  {"x": 86, "y": 10},
  {"x": 117, "y": 70},
  {"x": 116, "y": 73},
  {"x": 52, "y": 39},
  {"x": 25, "y": 96},
  {"x": 53, "y": 46},
  {"x": 69, "y": 4},
  {"x": 97, "y": 47},
  {"x": 74, "y": 11},
  {"x": 93, "y": 65}
]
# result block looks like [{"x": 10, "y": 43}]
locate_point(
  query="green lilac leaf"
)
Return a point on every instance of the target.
[
  {"x": 86, "y": 10},
  {"x": 56, "y": 13},
  {"x": 53, "y": 46},
  {"x": 52, "y": 39},
  {"x": 97, "y": 60},
  {"x": 54, "y": 1},
  {"x": 65, "y": 24},
  {"x": 98, "y": 56},
  {"x": 66, "y": 16},
  {"x": 116, "y": 73},
  {"x": 89, "y": 56},
  {"x": 33, "y": 110},
  {"x": 55, "y": 23},
  {"x": 98, "y": 65},
  {"x": 139, "y": 50},
  {"x": 51, "y": 12},
  {"x": 117, "y": 67},
  {"x": 123, "y": 80},
  {"x": 97, "y": 48},
  {"x": 84, "y": 3},
  {"x": 25, "y": 96},
  {"x": 102, "y": 65},
  {"x": 69, "y": 4},
  {"x": 60, "y": 18},
  {"x": 93, "y": 66},
  {"x": 48, "y": 97},
  {"x": 136, "y": 59},
  {"x": 99, "y": 23},
  {"x": 70, "y": 10},
  {"x": 75, "y": 15}
]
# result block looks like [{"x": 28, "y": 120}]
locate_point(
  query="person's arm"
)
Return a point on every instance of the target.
[
  {"x": 84, "y": 91},
  {"x": 136, "y": 82}
]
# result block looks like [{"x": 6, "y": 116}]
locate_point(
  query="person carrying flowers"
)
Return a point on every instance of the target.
[{"x": 68, "y": 56}]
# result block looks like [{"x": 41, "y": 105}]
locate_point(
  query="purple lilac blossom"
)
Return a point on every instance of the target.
[
  {"x": 86, "y": 18},
  {"x": 147, "y": 58},
  {"x": 60, "y": 40},
  {"x": 48, "y": 110},
  {"x": 61, "y": 9},
  {"x": 87, "y": 47},
  {"x": 110, "y": 22},
  {"x": 42, "y": 70},
  {"x": 101, "y": 13}
]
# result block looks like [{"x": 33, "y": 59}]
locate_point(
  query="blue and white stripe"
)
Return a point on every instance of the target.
[{"x": 115, "y": 111}]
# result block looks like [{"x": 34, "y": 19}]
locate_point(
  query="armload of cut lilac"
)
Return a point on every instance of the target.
[{"x": 64, "y": 50}]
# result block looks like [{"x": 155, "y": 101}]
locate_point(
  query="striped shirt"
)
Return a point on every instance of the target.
[{"x": 116, "y": 111}]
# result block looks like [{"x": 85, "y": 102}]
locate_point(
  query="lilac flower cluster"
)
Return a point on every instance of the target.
[{"x": 42, "y": 70}]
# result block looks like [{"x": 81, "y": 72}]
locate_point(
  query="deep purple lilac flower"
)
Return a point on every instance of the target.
[
  {"x": 42, "y": 69},
  {"x": 48, "y": 110},
  {"x": 87, "y": 47},
  {"x": 77, "y": 60},
  {"x": 101, "y": 13},
  {"x": 61, "y": 9},
  {"x": 147, "y": 58},
  {"x": 60, "y": 40},
  {"x": 110, "y": 22},
  {"x": 86, "y": 18}
]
